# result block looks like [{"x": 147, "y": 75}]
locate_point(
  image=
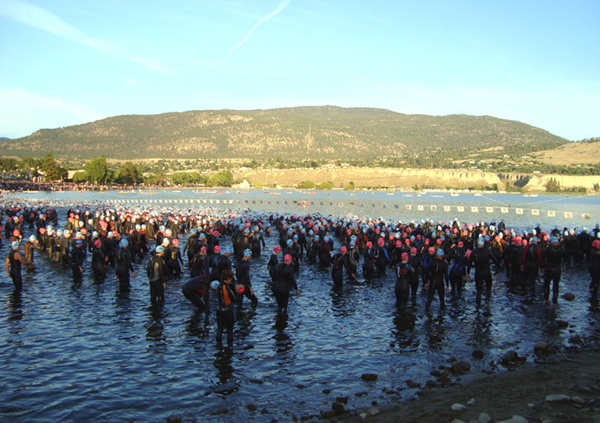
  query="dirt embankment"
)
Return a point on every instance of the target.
[{"x": 410, "y": 178}]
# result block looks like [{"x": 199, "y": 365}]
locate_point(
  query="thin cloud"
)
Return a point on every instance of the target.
[
  {"x": 37, "y": 17},
  {"x": 278, "y": 10}
]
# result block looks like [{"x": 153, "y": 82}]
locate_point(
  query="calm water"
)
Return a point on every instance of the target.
[{"x": 86, "y": 353}]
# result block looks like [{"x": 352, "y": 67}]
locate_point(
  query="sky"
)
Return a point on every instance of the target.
[{"x": 67, "y": 62}]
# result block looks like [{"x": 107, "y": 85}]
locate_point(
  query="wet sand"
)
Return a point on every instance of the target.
[{"x": 522, "y": 390}]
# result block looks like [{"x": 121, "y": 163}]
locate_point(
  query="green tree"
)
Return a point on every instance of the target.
[
  {"x": 326, "y": 185},
  {"x": 50, "y": 168},
  {"x": 552, "y": 185},
  {"x": 222, "y": 179},
  {"x": 306, "y": 185},
  {"x": 80, "y": 177},
  {"x": 97, "y": 170},
  {"x": 129, "y": 174}
]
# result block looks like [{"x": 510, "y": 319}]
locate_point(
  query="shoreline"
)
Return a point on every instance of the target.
[{"x": 562, "y": 387}]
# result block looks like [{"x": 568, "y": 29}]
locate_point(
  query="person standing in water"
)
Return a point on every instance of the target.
[
  {"x": 242, "y": 273},
  {"x": 284, "y": 282},
  {"x": 226, "y": 300},
  {"x": 157, "y": 275},
  {"x": 30, "y": 246},
  {"x": 552, "y": 259},
  {"x": 124, "y": 265},
  {"x": 13, "y": 263}
]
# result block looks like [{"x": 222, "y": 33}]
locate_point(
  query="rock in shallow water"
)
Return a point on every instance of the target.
[
  {"x": 461, "y": 366},
  {"x": 369, "y": 377},
  {"x": 478, "y": 354},
  {"x": 484, "y": 418},
  {"x": 515, "y": 419},
  {"x": 558, "y": 398},
  {"x": 509, "y": 357},
  {"x": 174, "y": 419},
  {"x": 338, "y": 408},
  {"x": 458, "y": 407},
  {"x": 541, "y": 347},
  {"x": 373, "y": 411}
]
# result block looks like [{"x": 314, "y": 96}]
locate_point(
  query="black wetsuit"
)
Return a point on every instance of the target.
[
  {"x": 242, "y": 274},
  {"x": 226, "y": 299},
  {"x": 77, "y": 258},
  {"x": 437, "y": 273},
  {"x": 272, "y": 266},
  {"x": 338, "y": 262},
  {"x": 594, "y": 268},
  {"x": 156, "y": 271},
  {"x": 197, "y": 291},
  {"x": 15, "y": 270},
  {"x": 480, "y": 259},
  {"x": 124, "y": 266},
  {"x": 98, "y": 265},
  {"x": 532, "y": 260},
  {"x": 552, "y": 259},
  {"x": 284, "y": 282},
  {"x": 404, "y": 275}
]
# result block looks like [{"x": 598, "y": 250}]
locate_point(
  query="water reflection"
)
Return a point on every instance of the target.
[
  {"x": 283, "y": 342},
  {"x": 342, "y": 301},
  {"x": 15, "y": 306},
  {"x": 157, "y": 341},
  {"x": 403, "y": 331},
  {"x": 227, "y": 384},
  {"x": 198, "y": 325},
  {"x": 434, "y": 330},
  {"x": 480, "y": 331}
]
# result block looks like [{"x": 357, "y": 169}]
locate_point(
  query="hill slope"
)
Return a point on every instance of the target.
[{"x": 303, "y": 133}]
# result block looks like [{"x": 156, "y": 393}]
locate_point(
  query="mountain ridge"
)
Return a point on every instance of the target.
[{"x": 308, "y": 132}]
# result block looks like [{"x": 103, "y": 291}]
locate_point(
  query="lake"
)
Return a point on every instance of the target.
[{"x": 88, "y": 353}]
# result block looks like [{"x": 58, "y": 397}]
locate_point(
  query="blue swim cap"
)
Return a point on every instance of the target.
[
  {"x": 79, "y": 242},
  {"x": 124, "y": 242},
  {"x": 247, "y": 253},
  {"x": 160, "y": 249},
  {"x": 534, "y": 239},
  {"x": 289, "y": 242},
  {"x": 553, "y": 239},
  {"x": 214, "y": 284},
  {"x": 440, "y": 252},
  {"x": 15, "y": 245}
]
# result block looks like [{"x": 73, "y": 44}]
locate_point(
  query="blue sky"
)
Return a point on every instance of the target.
[{"x": 66, "y": 62}]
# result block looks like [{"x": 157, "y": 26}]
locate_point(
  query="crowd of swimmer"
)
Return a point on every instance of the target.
[{"x": 438, "y": 255}]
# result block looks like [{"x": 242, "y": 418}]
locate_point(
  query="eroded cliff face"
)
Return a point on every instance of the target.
[{"x": 409, "y": 178}]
